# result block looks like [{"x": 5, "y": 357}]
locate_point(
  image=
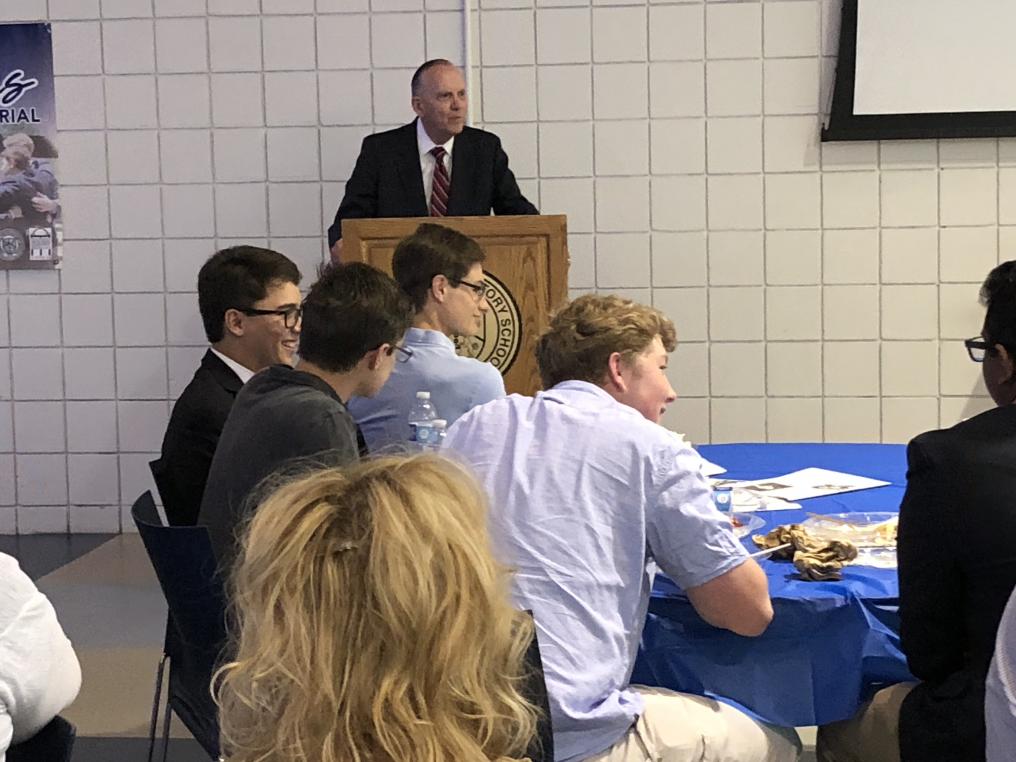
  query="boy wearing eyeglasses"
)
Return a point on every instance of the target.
[
  {"x": 441, "y": 270},
  {"x": 289, "y": 419},
  {"x": 249, "y": 299},
  {"x": 957, "y": 567}
]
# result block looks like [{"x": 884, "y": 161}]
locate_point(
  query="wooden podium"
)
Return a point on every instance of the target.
[{"x": 527, "y": 277}]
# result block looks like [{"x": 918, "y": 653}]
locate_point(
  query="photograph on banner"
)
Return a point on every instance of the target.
[{"x": 31, "y": 226}]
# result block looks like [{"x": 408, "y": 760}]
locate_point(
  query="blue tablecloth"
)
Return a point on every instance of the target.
[{"x": 830, "y": 646}]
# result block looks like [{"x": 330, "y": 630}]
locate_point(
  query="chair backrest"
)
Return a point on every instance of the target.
[
  {"x": 159, "y": 477},
  {"x": 535, "y": 689},
  {"x": 185, "y": 564},
  {"x": 53, "y": 743}
]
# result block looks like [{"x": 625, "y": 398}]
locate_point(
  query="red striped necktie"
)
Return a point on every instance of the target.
[{"x": 439, "y": 188}]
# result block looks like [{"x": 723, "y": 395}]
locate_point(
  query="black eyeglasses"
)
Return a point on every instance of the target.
[
  {"x": 977, "y": 348},
  {"x": 478, "y": 288},
  {"x": 290, "y": 315},
  {"x": 403, "y": 353}
]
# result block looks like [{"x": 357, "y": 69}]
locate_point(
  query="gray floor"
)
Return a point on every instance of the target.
[{"x": 110, "y": 605}]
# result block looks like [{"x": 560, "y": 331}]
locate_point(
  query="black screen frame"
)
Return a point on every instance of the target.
[{"x": 843, "y": 124}]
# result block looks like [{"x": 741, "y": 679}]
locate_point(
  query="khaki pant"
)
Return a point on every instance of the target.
[
  {"x": 871, "y": 735},
  {"x": 677, "y": 727}
]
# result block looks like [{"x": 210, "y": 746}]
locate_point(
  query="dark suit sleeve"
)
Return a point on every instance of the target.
[
  {"x": 508, "y": 199},
  {"x": 931, "y": 581},
  {"x": 188, "y": 447},
  {"x": 182, "y": 472},
  {"x": 361, "y": 195}
]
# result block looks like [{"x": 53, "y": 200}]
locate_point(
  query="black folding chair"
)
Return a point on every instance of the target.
[
  {"x": 534, "y": 688},
  {"x": 195, "y": 632},
  {"x": 53, "y": 743}
]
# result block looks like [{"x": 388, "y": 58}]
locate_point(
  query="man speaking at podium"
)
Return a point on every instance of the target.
[{"x": 434, "y": 166}]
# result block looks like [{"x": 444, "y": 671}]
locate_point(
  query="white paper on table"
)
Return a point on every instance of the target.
[{"x": 808, "y": 482}]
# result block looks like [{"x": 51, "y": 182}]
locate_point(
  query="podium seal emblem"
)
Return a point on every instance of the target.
[{"x": 501, "y": 334}]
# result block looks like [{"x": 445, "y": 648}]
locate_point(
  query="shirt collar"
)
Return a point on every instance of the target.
[
  {"x": 418, "y": 336},
  {"x": 587, "y": 393},
  {"x": 243, "y": 373},
  {"x": 425, "y": 144},
  {"x": 585, "y": 387}
]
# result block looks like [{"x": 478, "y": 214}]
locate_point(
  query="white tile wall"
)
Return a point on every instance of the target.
[{"x": 819, "y": 291}]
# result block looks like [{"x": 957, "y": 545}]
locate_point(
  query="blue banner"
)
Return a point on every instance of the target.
[{"x": 31, "y": 228}]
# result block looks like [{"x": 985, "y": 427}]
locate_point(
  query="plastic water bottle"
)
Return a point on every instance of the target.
[
  {"x": 421, "y": 420},
  {"x": 439, "y": 429},
  {"x": 722, "y": 497}
]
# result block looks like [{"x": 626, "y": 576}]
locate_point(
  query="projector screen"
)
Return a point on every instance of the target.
[
  {"x": 925, "y": 68},
  {"x": 935, "y": 56}
]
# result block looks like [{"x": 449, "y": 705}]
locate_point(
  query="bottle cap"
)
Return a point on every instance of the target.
[{"x": 423, "y": 395}]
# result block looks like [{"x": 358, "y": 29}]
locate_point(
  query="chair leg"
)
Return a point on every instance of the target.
[
  {"x": 165, "y": 729},
  {"x": 155, "y": 706}
]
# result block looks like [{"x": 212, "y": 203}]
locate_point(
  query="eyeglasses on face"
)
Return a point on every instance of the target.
[
  {"x": 403, "y": 355},
  {"x": 290, "y": 315},
  {"x": 478, "y": 289},
  {"x": 977, "y": 348}
]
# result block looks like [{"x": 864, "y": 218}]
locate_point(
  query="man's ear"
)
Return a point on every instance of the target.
[
  {"x": 439, "y": 286},
  {"x": 233, "y": 322},
  {"x": 373, "y": 357},
  {"x": 415, "y": 103},
  {"x": 1006, "y": 365},
  {"x": 617, "y": 372}
]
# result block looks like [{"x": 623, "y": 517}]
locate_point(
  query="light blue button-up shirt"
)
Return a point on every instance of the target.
[
  {"x": 584, "y": 493},
  {"x": 456, "y": 384}
]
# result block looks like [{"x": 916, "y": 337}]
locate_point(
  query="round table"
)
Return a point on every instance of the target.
[{"x": 830, "y": 645}]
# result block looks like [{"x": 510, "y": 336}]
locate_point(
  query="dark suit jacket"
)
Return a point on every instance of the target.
[
  {"x": 957, "y": 567},
  {"x": 191, "y": 437},
  {"x": 386, "y": 181}
]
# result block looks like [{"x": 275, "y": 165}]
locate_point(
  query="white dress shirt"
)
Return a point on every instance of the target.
[
  {"x": 243, "y": 373},
  {"x": 427, "y": 161}
]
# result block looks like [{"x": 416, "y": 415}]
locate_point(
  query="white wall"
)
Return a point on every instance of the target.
[{"x": 819, "y": 291}]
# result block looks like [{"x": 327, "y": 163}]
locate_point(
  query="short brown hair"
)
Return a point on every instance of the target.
[
  {"x": 351, "y": 309},
  {"x": 586, "y": 332},
  {"x": 433, "y": 250}
]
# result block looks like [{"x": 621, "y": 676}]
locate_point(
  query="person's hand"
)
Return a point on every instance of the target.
[
  {"x": 337, "y": 252},
  {"x": 43, "y": 203}
]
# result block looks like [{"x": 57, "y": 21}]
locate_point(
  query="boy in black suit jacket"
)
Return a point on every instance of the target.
[
  {"x": 957, "y": 567},
  {"x": 249, "y": 300}
]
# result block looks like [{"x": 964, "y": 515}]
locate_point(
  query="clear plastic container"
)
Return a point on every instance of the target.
[{"x": 421, "y": 419}]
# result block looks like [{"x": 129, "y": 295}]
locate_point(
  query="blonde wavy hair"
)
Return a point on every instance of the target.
[
  {"x": 373, "y": 623},
  {"x": 584, "y": 333}
]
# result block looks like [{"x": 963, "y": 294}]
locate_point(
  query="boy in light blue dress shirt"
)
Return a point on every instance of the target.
[
  {"x": 442, "y": 272},
  {"x": 586, "y": 489}
]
